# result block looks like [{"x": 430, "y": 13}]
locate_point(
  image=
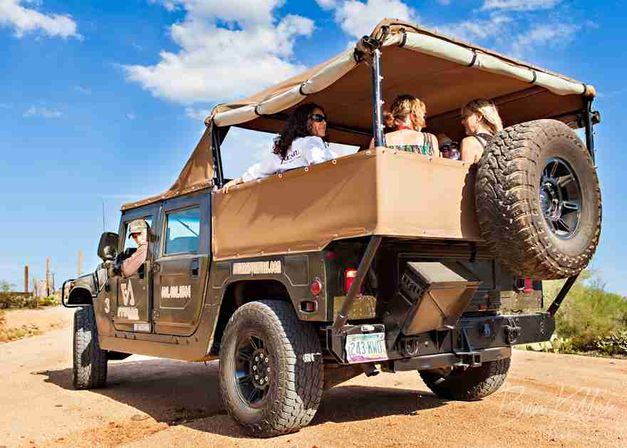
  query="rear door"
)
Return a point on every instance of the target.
[{"x": 180, "y": 271}]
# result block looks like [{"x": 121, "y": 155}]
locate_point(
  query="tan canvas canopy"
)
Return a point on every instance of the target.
[{"x": 442, "y": 71}]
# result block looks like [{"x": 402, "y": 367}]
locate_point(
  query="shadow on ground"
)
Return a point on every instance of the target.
[{"x": 182, "y": 393}]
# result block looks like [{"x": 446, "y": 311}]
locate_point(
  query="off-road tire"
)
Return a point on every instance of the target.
[
  {"x": 294, "y": 390},
  {"x": 508, "y": 202},
  {"x": 473, "y": 383},
  {"x": 90, "y": 361}
]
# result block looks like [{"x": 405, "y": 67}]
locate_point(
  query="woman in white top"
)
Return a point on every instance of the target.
[{"x": 299, "y": 144}]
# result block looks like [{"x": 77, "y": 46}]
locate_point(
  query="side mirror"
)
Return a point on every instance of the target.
[{"x": 108, "y": 246}]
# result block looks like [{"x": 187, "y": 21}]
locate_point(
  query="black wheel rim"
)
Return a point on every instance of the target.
[
  {"x": 560, "y": 198},
  {"x": 252, "y": 369}
]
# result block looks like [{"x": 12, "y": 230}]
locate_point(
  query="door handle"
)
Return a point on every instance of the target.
[{"x": 195, "y": 267}]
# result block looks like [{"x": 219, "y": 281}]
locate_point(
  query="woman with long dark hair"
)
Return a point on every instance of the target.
[{"x": 299, "y": 144}]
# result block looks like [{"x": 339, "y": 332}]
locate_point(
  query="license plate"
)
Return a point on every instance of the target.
[{"x": 366, "y": 347}]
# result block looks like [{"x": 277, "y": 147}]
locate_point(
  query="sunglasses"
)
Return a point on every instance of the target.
[{"x": 318, "y": 118}]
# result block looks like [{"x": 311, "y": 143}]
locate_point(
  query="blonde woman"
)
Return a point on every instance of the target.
[
  {"x": 407, "y": 119},
  {"x": 481, "y": 122}
]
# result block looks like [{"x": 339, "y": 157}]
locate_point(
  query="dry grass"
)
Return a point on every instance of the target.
[{"x": 13, "y": 334}]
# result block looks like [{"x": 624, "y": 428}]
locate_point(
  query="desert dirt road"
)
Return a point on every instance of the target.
[{"x": 548, "y": 400}]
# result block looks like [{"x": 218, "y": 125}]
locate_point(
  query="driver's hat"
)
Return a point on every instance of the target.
[{"x": 137, "y": 226}]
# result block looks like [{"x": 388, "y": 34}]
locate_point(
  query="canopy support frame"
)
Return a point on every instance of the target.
[
  {"x": 588, "y": 124},
  {"x": 377, "y": 99},
  {"x": 217, "y": 137}
]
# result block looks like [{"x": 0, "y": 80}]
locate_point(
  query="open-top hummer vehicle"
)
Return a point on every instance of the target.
[{"x": 381, "y": 260}]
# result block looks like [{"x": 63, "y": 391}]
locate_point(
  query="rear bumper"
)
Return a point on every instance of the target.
[
  {"x": 473, "y": 340},
  {"x": 452, "y": 359}
]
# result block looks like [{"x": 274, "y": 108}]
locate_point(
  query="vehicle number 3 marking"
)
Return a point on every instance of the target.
[{"x": 107, "y": 305}]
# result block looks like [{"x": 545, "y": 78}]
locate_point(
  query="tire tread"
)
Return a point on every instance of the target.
[
  {"x": 505, "y": 196},
  {"x": 89, "y": 367}
]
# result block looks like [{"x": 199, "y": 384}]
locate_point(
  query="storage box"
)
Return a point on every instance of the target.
[{"x": 436, "y": 295}]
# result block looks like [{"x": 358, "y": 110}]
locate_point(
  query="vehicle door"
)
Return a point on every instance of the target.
[
  {"x": 133, "y": 306},
  {"x": 182, "y": 266}
]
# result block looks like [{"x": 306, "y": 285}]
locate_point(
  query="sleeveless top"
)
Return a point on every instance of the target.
[
  {"x": 483, "y": 138},
  {"x": 426, "y": 148}
]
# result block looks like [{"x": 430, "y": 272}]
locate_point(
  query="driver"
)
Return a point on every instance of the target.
[{"x": 138, "y": 230}]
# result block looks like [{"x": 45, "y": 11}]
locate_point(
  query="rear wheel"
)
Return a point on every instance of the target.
[
  {"x": 90, "y": 361},
  {"x": 271, "y": 369},
  {"x": 473, "y": 383}
]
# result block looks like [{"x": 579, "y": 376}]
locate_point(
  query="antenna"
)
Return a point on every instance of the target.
[{"x": 103, "y": 215}]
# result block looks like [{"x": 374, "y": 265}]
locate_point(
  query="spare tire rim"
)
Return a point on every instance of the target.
[
  {"x": 252, "y": 369},
  {"x": 560, "y": 198}
]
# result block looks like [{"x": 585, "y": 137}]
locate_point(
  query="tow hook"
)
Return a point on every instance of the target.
[
  {"x": 512, "y": 332},
  {"x": 468, "y": 359}
]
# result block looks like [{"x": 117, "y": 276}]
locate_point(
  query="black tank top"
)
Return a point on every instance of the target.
[{"x": 483, "y": 138}]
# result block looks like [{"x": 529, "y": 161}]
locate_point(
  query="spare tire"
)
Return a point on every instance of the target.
[{"x": 538, "y": 200}]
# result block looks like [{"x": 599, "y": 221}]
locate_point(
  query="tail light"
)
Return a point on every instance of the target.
[
  {"x": 316, "y": 287},
  {"x": 349, "y": 278},
  {"x": 528, "y": 286}
]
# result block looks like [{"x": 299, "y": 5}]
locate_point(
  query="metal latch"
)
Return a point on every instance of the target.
[{"x": 155, "y": 314}]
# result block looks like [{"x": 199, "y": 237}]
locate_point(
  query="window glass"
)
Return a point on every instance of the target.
[
  {"x": 182, "y": 231},
  {"x": 129, "y": 242}
]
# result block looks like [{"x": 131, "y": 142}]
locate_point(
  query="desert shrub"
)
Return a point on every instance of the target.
[
  {"x": 588, "y": 315},
  {"x": 49, "y": 301},
  {"x": 8, "y": 300},
  {"x": 613, "y": 344}
]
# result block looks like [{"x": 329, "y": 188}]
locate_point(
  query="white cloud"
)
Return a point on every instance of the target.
[
  {"x": 550, "y": 34},
  {"x": 41, "y": 111},
  {"x": 519, "y": 28},
  {"x": 327, "y": 4},
  {"x": 227, "y": 49},
  {"x": 197, "y": 114},
  {"x": 358, "y": 18},
  {"x": 479, "y": 29},
  {"x": 519, "y": 5},
  {"x": 27, "y": 20}
]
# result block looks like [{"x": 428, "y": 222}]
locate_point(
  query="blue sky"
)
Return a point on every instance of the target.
[{"x": 101, "y": 102}]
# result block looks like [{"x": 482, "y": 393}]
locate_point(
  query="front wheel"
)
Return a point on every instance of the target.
[
  {"x": 473, "y": 383},
  {"x": 271, "y": 369},
  {"x": 90, "y": 361}
]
